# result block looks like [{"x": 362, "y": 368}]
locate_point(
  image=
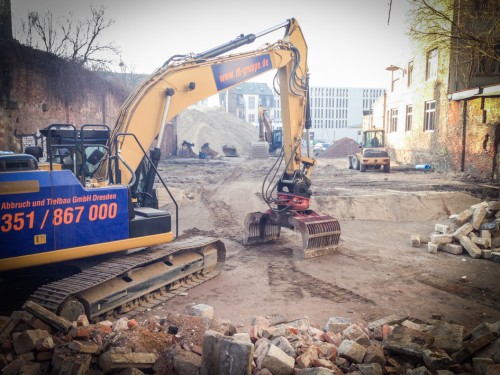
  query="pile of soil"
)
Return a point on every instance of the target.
[
  {"x": 341, "y": 148},
  {"x": 212, "y": 125}
]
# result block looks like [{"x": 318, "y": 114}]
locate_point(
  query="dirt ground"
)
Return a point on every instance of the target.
[{"x": 374, "y": 273}]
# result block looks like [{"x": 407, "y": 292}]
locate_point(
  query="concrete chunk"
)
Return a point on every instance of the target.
[
  {"x": 235, "y": 357},
  {"x": 415, "y": 240},
  {"x": 453, "y": 248},
  {"x": 486, "y": 236},
  {"x": 447, "y": 337},
  {"x": 480, "y": 365},
  {"x": 277, "y": 361},
  {"x": 389, "y": 320},
  {"x": 494, "y": 205},
  {"x": 473, "y": 250},
  {"x": 432, "y": 248},
  {"x": 374, "y": 354},
  {"x": 84, "y": 347},
  {"x": 461, "y": 218},
  {"x": 407, "y": 341},
  {"x": 486, "y": 254},
  {"x": 478, "y": 216},
  {"x": 370, "y": 369},
  {"x": 114, "y": 361},
  {"x": 355, "y": 333},
  {"x": 495, "y": 256},
  {"x": 187, "y": 363},
  {"x": 441, "y": 239},
  {"x": 464, "y": 230},
  {"x": 15, "y": 318},
  {"x": 283, "y": 343},
  {"x": 25, "y": 341},
  {"x": 352, "y": 351},
  {"x": 479, "y": 242},
  {"x": 47, "y": 316},
  {"x": 223, "y": 353},
  {"x": 443, "y": 228},
  {"x": 337, "y": 324},
  {"x": 436, "y": 360}
]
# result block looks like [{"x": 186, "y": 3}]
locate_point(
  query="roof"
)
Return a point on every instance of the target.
[{"x": 488, "y": 91}]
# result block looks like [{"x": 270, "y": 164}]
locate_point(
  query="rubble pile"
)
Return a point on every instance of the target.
[
  {"x": 37, "y": 342},
  {"x": 476, "y": 229}
]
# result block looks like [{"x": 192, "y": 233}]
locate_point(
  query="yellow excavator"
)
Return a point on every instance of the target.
[{"x": 95, "y": 199}]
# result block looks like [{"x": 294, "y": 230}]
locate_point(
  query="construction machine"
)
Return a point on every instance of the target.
[
  {"x": 94, "y": 199},
  {"x": 274, "y": 137},
  {"x": 372, "y": 153}
]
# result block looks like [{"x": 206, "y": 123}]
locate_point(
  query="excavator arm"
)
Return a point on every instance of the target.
[{"x": 185, "y": 80}]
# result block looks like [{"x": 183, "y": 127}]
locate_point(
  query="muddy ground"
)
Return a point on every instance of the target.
[{"x": 375, "y": 272}]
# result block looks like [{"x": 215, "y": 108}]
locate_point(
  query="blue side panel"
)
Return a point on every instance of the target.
[
  {"x": 61, "y": 214},
  {"x": 98, "y": 215},
  {"x": 24, "y": 219},
  {"x": 230, "y": 73}
]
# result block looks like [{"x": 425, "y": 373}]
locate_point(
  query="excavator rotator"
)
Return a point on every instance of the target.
[{"x": 320, "y": 233}]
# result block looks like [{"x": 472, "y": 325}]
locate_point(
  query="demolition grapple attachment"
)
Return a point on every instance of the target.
[{"x": 320, "y": 233}]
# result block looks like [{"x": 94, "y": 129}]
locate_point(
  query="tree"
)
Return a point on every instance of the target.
[
  {"x": 71, "y": 39},
  {"x": 470, "y": 27}
]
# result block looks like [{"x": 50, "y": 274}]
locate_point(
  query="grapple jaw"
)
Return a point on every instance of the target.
[
  {"x": 320, "y": 233},
  {"x": 259, "y": 229}
]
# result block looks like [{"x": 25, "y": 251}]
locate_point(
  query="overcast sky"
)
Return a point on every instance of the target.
[{"x": 350, "y": 41}]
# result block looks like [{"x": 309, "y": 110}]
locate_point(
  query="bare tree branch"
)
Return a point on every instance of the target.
[
  {"x": 471, "y": 26},
  {"x": 72, "y": 39}
]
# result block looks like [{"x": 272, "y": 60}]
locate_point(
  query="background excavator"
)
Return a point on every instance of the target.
[
  {"x": 94, "y": 198},
  {"x": 274, "y": 137}
]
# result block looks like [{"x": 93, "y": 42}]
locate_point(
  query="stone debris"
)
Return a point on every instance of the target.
[
  {"x": 475, "y": 230},
  {"x": 204, "y": 345}
]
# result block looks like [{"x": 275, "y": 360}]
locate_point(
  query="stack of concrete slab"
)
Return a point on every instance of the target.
[{"x": 475, "y": 230}]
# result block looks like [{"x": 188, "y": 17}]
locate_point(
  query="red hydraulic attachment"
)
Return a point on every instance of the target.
[{"x": 320, "y": 233}]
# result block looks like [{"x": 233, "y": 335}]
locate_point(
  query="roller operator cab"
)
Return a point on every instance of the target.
[
  {"x": 91, "y": 191},
  {"x": 372, "y": 153}
]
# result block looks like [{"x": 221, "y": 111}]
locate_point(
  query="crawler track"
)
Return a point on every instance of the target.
[{"x": 64, "y": 297}]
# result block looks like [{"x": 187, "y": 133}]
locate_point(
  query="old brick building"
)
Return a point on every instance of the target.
[{"x": 433, "y": 116}]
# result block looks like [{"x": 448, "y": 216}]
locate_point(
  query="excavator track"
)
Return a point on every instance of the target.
[{"x": 126, "y": 285}]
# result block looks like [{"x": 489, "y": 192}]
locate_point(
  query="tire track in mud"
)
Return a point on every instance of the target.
[
  {"x": 286, "y": 279},
  {"x": 225, "y": 222}
]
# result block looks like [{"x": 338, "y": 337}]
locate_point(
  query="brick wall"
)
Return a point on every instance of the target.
[
  {"x": 38, "y": 89},
  {"x": 483, "y": 136}
]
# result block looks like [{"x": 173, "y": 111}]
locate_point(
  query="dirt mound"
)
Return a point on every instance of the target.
[
  {"x": 342, "y": 147},
  {"x": 212, "y": 125}
]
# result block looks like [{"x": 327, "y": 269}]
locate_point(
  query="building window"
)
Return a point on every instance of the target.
[
  {"x": 394, "y": 120},
  {"x": 410, "y": 73},
  {"x": 251, "y": 118},
  {"x": 430, "y": 115},
  {"x": 409, "y": 117},
  {"x": 251, "y": 102},
  {"x": 432, "y": 64}
]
